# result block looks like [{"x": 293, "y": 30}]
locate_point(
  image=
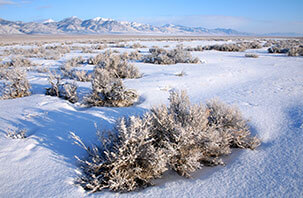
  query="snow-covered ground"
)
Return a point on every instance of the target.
[{"x": 268, "y": 90}]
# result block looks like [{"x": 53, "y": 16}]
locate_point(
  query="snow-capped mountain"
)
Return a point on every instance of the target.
[
  {"x": 101, "y": 25},
  {"x": 48, "y": 21}
]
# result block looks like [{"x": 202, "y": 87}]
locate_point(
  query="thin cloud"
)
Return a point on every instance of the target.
[
  {"x": 7, "y": 2},
  {"x": 44, "y": 7}
]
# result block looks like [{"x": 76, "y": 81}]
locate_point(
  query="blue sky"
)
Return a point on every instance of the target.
[{"x": 258, "y": 16}]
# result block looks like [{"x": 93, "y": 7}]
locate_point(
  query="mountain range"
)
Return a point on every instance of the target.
[{"x": 99, "y": 25}]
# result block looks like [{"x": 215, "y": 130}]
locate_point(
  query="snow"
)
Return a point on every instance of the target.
[
  {"x": 102, "y": 19},
  {"x": 268, "y": 90},
  {"x": 49, "y": 21}
]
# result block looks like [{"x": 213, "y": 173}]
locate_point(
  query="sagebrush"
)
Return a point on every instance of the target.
[
  {"x": 182, "y": 137},
  {"x": 166, "y": 57},
  {"x": 16, "y": 85},
  {"x": 109, "y": 91},
  {"x": 67, "y": 91}
]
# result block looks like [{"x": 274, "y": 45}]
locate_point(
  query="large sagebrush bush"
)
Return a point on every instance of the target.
[
  {"x": 109, "y": 91},
  {"x": 16, "y": 85},
  {"x": 182, "y": 137}
]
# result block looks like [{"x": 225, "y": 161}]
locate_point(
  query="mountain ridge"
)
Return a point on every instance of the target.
[{"x": 100, "y": 25}]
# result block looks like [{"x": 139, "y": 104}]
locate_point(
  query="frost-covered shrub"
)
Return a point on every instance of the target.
[
  {"x": 127, "y": 159},
  {"x": 87, "y": 50},
  {"x": 20, "y": 62},
  {"x": 49, "y": 52},
  {"x": 119, "y": 68},
  {"x": 100, "y": 47},
  {"x": 137, "y": 45},
  {"x": 76, "y": 61},
  {"x": 291, "y": 47},
  {"x": 250, "y": 55},
  {"x": 166, "y": 57},
  {"x": 67, "y": 69},
  {"x": 17, "y": 134},
  {"x": 122, "y": 45},
  {"x": 234, "y": 47},
  {"x": 58, "y": 48},
  {"x": 277, "y": 49},
  {"x": 229, "y": 119},
  {"x": 42, "y": 69},
  {"x": 182, "y": 73},
  {"x": 67, "y": 91},
  {"x": 99, "y": 58},
  {"x": 197, "y": 48},
  {"x": 135, "y": 56},
  {"x": 17, "y": 85},
  {"x": 182, "y": 137},
  {"x": 51, "y": 55},
  {"x": 180, "y": 129},
  {"x": 109, "y": 91},
  {"x": 117, "y": 65},
  {"x": 16, "y": 62},
  {"x": 82, "y": 76},
  {"x": 296, "y": 51}
]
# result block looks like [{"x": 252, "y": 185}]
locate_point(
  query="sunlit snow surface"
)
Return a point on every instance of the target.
[{"x": 268, "y": 90}]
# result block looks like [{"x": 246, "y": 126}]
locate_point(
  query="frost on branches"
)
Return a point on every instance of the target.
[
  {"x": 16, "y": 85},
  {"x": 67, "y": 91},
  {"x": 182, "y": 137},
  {"x": 109, "y": 91}
]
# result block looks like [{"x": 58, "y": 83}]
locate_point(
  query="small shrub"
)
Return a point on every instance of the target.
[
  {"x": 277, "y": 50},
  {"x": 164, "y": 57},
  {"x": 16, "y": 62},
  {"x": 67, "y": 91},
  {"x": 99, "y": 58},
  {"x": 76, "y": 61},
  {"x": 295, "y": 51},
  {"x": 17, "y": 85},
  {"x": 67, "y": 68},
  {"x": 182, "y": 73},
  {"x": 100, "y": 47},
  {"x": 109, "y": 91},
  {"x": 135, "y": 56},
  {"x": 42, "y": 69},
  {"x": 82, "y": 76},
  {"x": 251, "y": 55},
  {"x": 120, "y": 68},
  {"x": 137, "y": 45},
  {"x": 117, "y": 65},
  {"x": 17, "y": 134},
  {"x": 197, "y": 48}
]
